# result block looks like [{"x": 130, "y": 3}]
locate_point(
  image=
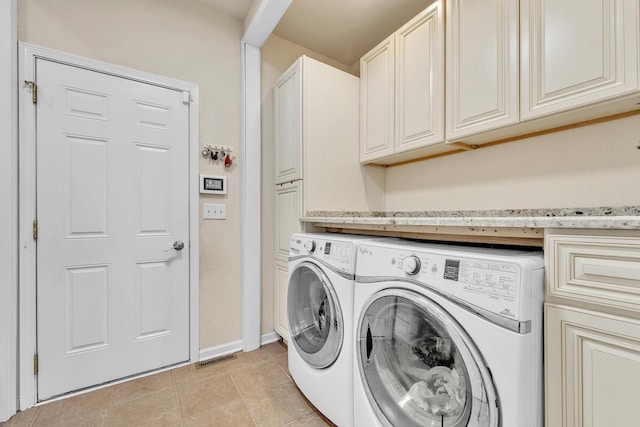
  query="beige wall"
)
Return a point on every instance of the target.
[
  {"x": 596, "y": 165},
  {"x": 187, "y": 41}
]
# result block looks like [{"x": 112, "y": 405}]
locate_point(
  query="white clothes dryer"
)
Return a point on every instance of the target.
[
  {"x": 448, "y": 336},
  {"x": 320, "y": 314}
]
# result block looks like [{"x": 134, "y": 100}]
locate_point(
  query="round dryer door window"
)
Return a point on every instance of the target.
[
  {"x": 315, "y": 318},
  {"x": 419, "y": 367}
]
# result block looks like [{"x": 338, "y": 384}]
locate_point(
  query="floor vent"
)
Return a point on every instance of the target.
[{"x": 214, "y": 361}]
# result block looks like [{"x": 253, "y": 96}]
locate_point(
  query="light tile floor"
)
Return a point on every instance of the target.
[{"x": 255, "y": 389}]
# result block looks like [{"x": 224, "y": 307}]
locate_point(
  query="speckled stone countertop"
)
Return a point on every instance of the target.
[{"x": 624, "y": 218}]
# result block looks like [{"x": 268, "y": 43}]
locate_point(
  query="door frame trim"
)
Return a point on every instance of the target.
[
  {"x": 9, "y": 207},
  {"x": 28, "y": 54}
]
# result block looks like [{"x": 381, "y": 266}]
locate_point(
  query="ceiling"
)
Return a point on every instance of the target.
[
  {"x": 342, "y": 30},
  {"x": 345, "y": 30}
]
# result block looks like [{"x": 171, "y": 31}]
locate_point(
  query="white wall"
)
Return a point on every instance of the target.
[
  {"x": 591, "y": 166},
  {"x": 8, "y": 208},
  {"x": 191, "y": 42}
]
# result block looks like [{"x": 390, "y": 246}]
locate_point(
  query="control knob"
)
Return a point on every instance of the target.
[
  {"x": 310, "y": 246},
  {"x": 411, "y": 265}
]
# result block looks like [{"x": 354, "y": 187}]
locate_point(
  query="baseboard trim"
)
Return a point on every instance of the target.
[
  {"x": 269, "y": 338},
  {"x": 233, "y": 347}
]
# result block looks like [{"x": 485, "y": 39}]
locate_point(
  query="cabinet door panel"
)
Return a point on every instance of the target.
[
  {"x": 593, "y": 368},
  {"x": 377, "y": 101},
  {"x": 482, "y": 66},
  {"x": 288, "y": 210},
  {"x": 602, "y": 270},
  {"x": 420, "y": 80},
  {"x": 281, "y": 285},
  {"x": 287, "y": 95},
  {"x": 573, "y": 59}
]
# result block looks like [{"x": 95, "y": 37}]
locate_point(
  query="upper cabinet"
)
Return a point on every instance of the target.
[
  {"x": 287, "y": 98},
  {"x": 482, "y": 66},
  {"x": 377, "y": 101},
  {"x": 513, "y": 68},
  {"x": 402, "y": 92},
  {"x": 576, "y": 53},
  {"x": 420, "y": 80}
]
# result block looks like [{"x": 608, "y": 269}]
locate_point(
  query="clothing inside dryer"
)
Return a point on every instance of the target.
[{"x": 413, "y": 368}]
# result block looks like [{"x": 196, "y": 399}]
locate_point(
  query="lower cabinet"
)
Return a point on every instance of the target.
[
  {"x": 592, "y": 328},
  {"x": 592, "y": 368},
  {"x": 288, "y": 210},
  {"x": 280, "y": 285}
]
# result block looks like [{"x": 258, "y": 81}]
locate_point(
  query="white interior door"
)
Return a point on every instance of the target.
[{"x": 112, "y": 198}]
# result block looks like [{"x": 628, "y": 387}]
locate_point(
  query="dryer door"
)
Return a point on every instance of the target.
[
  {"x": 419, "y": 367},
  {"x": 315, "y": 317}
]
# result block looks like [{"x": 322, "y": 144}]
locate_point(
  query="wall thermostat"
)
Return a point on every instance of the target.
[{"x": 210, "y": 184}]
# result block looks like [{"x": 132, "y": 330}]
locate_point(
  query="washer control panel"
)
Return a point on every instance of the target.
[{"x": 336, "y": 253}]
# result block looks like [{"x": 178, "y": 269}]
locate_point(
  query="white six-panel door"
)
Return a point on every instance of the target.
[{"x": 112, "y": 198}]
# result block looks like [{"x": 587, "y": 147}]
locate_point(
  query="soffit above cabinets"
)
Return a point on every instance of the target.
[{"x": 344, "y": 30}]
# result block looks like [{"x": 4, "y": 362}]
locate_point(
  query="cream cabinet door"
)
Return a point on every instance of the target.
[
  {"x": 377, "y": 100},
  {"x": 287, "y": 110},
  {"x": 482, "y": 66},
  {"x": 592, "y": 368},
  {"x": 576, "y": 52},
  {"x": 420, "y": 80},
  {"x": 288, "y": 210},
  {"x": 281, "y": 285}
]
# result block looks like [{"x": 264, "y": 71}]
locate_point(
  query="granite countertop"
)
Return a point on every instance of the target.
[{"x": 627, "y": 217}]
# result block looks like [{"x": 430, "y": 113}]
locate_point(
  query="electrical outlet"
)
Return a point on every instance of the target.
[{"x": 214, "y": 211}]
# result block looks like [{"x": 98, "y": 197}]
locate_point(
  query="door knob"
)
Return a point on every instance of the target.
[{"x": 178, "y": 245}]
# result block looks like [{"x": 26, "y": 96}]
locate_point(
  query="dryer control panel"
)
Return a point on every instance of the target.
[{"x": 494, "y": 280}]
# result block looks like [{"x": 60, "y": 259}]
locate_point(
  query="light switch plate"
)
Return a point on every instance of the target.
[{"x": 214, "y": 211}]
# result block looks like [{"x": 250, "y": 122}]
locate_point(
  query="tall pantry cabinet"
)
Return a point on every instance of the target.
[{"x": 316, "y": 110}]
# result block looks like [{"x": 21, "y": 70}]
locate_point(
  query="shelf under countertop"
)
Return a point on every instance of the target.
[{"x": 509, "y": 226}]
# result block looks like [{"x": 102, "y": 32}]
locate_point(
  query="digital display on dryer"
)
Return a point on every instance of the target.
[
  {"x": 452, "y": 269},
  {"x": 327, "y": 248}
]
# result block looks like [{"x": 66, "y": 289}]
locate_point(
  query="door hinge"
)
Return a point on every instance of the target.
[
  {"x": 35, "y": 364},
  {"x": 34, "y": 90},
  {"x": 35, "y": 229}
]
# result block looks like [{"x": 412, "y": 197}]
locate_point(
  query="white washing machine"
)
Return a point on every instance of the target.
[
  {"x": 320, "y": 312},
  {"x": 448, "y": 336}
]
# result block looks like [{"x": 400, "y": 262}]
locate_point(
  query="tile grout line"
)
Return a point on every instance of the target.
[
  {"x": 177, "y": 396},
  {"x": 35, "y": 417},
  {"x": 33, "y": 420},
  {"x": 105, "y": 422},
  {"x": 241, "y": 397},
  {"x": 290, "y": 380}
]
